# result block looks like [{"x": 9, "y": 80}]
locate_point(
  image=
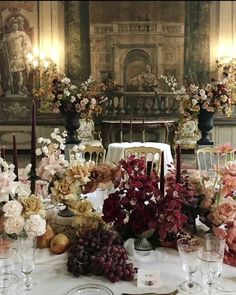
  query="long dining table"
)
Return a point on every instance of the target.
[{"x": 52, "y": 276}]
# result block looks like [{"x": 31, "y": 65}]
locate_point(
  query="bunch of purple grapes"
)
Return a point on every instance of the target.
[{"x": 100, "y": 252}]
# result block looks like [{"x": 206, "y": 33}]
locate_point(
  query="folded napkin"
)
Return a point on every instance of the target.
[
  {"x": 44, "y": 256},
  {"x": 139, "y": 256}
]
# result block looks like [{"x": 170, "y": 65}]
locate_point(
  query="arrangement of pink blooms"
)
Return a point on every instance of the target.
[
  {"x": 216, "y": 204},
  {"x": 7, "y": 177}
]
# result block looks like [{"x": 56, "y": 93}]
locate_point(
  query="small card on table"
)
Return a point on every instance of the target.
[{"x": 148, "y": 278}]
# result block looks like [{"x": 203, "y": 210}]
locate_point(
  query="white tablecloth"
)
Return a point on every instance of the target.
[
  {"x": 116, "y": 151},
  {"x": 52, "y": 277}
]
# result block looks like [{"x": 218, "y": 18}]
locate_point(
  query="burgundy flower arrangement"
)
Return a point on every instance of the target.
[{"x": 137, "y": 205}]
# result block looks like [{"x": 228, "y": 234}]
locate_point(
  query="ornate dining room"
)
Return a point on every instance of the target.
[{"x": 118, "y": 143}]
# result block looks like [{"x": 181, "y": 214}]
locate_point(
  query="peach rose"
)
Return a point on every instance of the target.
[
  {"x": 224, "y": 212},
  {"x": 32, "y": 205}
]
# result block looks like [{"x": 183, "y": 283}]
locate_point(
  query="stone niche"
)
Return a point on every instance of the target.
[{"x": 127, "y": 47}]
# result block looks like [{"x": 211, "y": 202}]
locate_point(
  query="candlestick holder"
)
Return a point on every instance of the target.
[
  {"x": 121, "y": 136},
  {"x": 143, "y": 136}
]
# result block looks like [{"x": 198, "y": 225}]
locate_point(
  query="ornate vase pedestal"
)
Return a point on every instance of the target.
[
  {"x": 141, "y": 243},
  {"x": 205, "y": 124}
]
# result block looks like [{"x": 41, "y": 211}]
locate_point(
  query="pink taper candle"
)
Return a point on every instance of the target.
[
  {"x": 15, "y": 157},
  {"x": 178, "y": 163},
  {"x": 33, "y": 147},
  {"x": 162, "y": 174}
]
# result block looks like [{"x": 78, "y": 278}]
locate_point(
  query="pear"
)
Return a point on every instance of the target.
[
  {"x": 60, "y": 243},
  {"x": 44, "y": 240}
]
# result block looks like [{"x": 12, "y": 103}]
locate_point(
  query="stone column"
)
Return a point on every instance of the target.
[
  {"x": 197, "y": 45},
  {"x": 77, "y": 40}
]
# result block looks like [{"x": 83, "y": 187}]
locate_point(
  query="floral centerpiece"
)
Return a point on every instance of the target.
[
  {"x": 216, "y": 204},
  {"x": 137, "y": 205}
]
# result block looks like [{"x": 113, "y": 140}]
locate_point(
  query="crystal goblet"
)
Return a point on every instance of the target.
[{"x": 188, "y": 250}]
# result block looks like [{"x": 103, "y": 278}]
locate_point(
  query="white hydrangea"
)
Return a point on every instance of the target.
[
  {"x": 14, "y": 225},
  {"x": 35, "y": 226},
  {"x": 12, "y": 208}
]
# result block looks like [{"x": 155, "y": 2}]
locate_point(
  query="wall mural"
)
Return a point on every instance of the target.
[{"x": 16, "y": 44}]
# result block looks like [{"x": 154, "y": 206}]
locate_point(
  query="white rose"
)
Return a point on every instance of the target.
[
  {"x": 35, "y": 226},
  {"x": 38, "y": 152},
  {"x": 14, "y": 225},
  {"x": 12, "y": 208}
]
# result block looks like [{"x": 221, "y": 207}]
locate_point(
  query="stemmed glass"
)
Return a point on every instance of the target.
[
  {"x": 27, "y": 255},
  {"x": 210, "y": 266},
  {"x": 188, "y": 250},
  {"x": 214, "y": 243},
  {"x": 8, "y": 283}
]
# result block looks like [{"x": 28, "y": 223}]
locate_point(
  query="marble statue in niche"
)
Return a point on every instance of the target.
[
  {"x": 15, "y": 45},
  {"x": 146, "y": 81}
]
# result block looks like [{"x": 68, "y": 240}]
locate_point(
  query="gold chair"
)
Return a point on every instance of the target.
[
  {"x": 209, "y": 158},
  {"x": 94, "y": 153},
  {"x": 152, "y": 155}
]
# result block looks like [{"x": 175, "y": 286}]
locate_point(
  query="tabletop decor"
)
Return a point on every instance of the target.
[
  {"x": 216, "y": 204},
  {"x": 100, "y": 252},
  {"x": 137, "y": 205},
  {"x": 102, "y": 176},
  {"x": 8, "y": 185}
]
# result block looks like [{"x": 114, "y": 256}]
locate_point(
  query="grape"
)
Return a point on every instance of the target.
[{"x": 100, "y": 252}]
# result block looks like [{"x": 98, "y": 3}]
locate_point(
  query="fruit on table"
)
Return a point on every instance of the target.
[
  {"x": 60, "y": 243},
  {"x": 44, "y": 240}
]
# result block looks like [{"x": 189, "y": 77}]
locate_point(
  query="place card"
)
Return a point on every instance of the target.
[{"x": 148, "y": 278}]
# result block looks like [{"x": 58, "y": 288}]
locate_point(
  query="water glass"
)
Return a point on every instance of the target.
[
  {"x": 188, "y": 250},
  {"x": 27, "y": 255},
  {"x": 8, "y": 284},
  {"x": 210, "y": 267},
  {"x": 217, "y": 245}
]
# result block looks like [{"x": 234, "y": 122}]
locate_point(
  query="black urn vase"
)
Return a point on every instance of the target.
[
  {"x": 72, "y": 123},
  {"x": 205, "y": 124}
]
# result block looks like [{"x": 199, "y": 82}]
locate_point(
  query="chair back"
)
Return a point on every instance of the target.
[
  {"x": 152, "y": 156},
  {"x": 210, "y": 157},
  {"x": 94, "y": 153}
]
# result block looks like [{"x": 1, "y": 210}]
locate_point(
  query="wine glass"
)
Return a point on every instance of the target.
[
  {"x": 188, "y": 250},
  {"x": 210, "y": 267},
  {"x": 27, "y": 255}
]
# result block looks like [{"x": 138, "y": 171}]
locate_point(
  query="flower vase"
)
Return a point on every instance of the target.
[
  {"x": 205, "y": 124},
  {"x": 142, "y": 244},
  {"x": 72, "y": 123}
]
